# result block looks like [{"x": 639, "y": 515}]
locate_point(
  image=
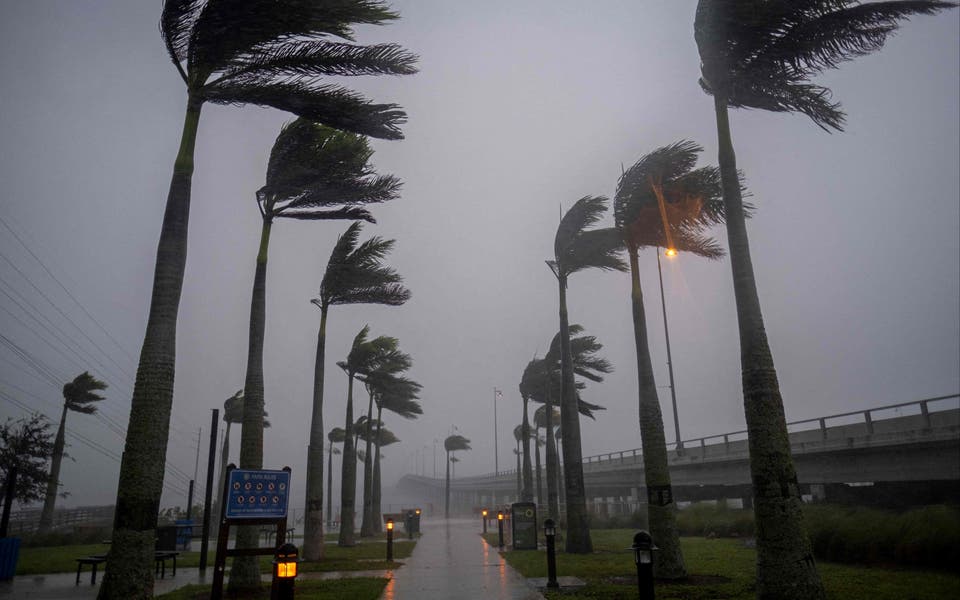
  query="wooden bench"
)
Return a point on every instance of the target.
[
  {"x": 93, "y": 561},
  {"x": 160, "y": 558}
]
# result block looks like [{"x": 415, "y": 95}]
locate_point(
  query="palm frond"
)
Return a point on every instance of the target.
[
  {"x": 331, "y": 105},
  {"x": 80, "y": 393},
  {"x": 313, "y": 58},
  {"x": 176, "y": 25},
  {"x": 585, "y": 212},
  {"x": 594, "y": 249},
  {"x": 337, "y": 435},
  {"x": 227, "y": 29},
  {"x": 355, "y": 213},
  {"x": 587, "y": 409},
  {"x": 355, "y": 275}
]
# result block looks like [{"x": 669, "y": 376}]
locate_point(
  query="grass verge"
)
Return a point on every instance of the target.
[{"x": 721, "y": 568}]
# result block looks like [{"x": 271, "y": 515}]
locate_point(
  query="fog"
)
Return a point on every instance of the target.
[{"x": 519, "y": 110}]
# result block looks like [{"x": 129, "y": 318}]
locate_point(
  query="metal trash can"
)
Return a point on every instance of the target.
[
  {"x": 184, "y": 533},
  {"x": 9, "y": 553}
]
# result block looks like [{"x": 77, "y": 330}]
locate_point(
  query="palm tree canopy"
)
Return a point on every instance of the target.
[
  {"x": 317, "y": 172},
  {"x": 576, "y": 248},
  {"x": 80, "y": 394},
  {"x": 387, "y": 437},
  {"x": 233, "y": 408},
  {"x": 662, "y": 200},
  {"x": 540, "y": 417},
  {"x": 355, "y": 273},
  {"x": 763, "y": 53},
  {"x": 380, "y": 353},
  {"x": 395, "y": 393},
  {"x": 456, "y": 442},
  {"x": 337, "y": 435},
  {"x": 277, "y": 52}
]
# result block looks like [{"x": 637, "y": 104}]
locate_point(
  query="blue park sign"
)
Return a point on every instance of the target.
[{"x": 257, "y": 494}]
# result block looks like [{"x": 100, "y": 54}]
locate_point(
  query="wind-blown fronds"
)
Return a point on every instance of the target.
[
  {"x": 456, "y": 442},
  {"x": 576, "y": 249},
  {"x": 80, "y": 394},
  {"x": 336, "y": 435},
  {"x": 355, "y": 275},
  {"x": 276, "y": 53},
  {"x": 762, "y": 54}
]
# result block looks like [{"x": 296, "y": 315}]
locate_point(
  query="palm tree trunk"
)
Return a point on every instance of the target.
[
  {"x": 536, "y": 446},
  {"x": 578, "y": 524},
  {"x": 245, "y": 572},
  {"x": 377, "y": 491},
  {"x": 785, "y": 564},
  {"x": 446, "y": 504},
  {"x": 313, "y": 521},
  {"x": 330, "y": 487},
  {"x": 348, "y": 480},
  {"x": 519, "y": 475},
  {"x": 50, "y": 500},
  {"x": 366, "y": 524},
  {"x": 526, "y": 493},
  {"x": 669, "y": 562},
  {"x": 553, "y": 500},
  {"x": 129, "y": 568}
]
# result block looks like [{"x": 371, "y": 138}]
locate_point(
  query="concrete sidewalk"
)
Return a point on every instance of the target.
[{"x": 452, "y": 562}]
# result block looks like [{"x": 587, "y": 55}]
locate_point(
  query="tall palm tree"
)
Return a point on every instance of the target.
[
  {"x": 763, "y": 55},
  {"x": 368, "y": 521},
  {"x": 79, "y": 396},
  {"x": 526, "y": 389},
  {"x": 365, "y": 357},
  {"x": 518, "y": 432},
  {"x": 263, "y": 52},
  {"x": 335, "y": 436},
  {"x": 662, "y": 202},
  {"x": 452, "y": 444},
  {"x": 354, "y": 275},
  {"x": 540, "y": 419},
  {"x": 385, "y": 437},
  {"x": 398, "y": 395},
  {"x": 575, "y": 249}
]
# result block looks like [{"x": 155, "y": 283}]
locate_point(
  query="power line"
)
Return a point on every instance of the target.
[{"x": 64, "y": 288}]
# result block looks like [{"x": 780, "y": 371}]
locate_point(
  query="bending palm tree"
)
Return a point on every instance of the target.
[
  {"x": 575, "y": 249},
  {"x": 662, "y": 202},
  {"x": 79, "y": 396},
  {"x": 398, "y": 395},
  {"x": 540, "y": 419},
  {"x": 335, "y": 436},
  {"x": 452, "y": 444},
  {"x": 268, "y": 53},
  {"x": 355, "y": 274},
  {"x": 763, "y": 55},
  {"x": 365, "y": 357}
]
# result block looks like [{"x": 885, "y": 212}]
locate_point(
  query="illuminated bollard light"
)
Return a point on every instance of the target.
[
  {"x": 550, "y": 533},
  {"x": 500, "y": 526},
  {"x": 389, "y": 540},
  {"x": 484, "y": 512},
  {"x": 643, "y": 550},
  {"x": 285, "y": 561}
]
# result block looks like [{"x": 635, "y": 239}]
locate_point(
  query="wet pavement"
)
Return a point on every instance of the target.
[{"x": 452, "y": 562}]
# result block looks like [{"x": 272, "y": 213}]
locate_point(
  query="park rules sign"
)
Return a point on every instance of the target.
[{"x": 257, "y": 494}]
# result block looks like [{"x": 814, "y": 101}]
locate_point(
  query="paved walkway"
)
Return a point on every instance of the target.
[{"x": 452, "y": 562}]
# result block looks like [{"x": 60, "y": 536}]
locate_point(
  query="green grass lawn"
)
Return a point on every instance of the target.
[
  {"x": 365, "y": 556},
  {"x": 721, "y": 568},
  {"x": 360, "y": 588}
]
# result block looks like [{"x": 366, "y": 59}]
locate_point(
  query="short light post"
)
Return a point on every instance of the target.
[
  {"x": 484, "y": 513},
  {"x": 408, "y": 524},
  {"x": 643, "y": 550},
  {"x": 550, "y": 533},
  {"x": 500, "y": 527},
  {"x": 389, "y": 540},
  {"x": 416, "y": 520},
  {"x": 284, "y": 572}
]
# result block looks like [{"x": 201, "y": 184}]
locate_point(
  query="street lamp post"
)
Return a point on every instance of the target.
[
  {"x": 666, "y": 331},
  {"x": 496, "y": 460}
]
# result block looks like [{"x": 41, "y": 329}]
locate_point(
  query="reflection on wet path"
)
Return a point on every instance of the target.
[{"x": 452, "y": 561}]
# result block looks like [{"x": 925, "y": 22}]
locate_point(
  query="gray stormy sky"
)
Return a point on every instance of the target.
[{"x": 520, "y": 109}]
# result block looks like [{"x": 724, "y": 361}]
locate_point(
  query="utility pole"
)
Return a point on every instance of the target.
[{"x": 496, "y": 459}]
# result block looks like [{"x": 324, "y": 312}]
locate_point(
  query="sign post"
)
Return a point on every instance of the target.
[
  {"x": 523, "y": 523},
  {"x": 250, "y": 497}
]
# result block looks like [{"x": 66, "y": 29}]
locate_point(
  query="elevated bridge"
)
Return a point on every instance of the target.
[{"x": 895, "y": 455}]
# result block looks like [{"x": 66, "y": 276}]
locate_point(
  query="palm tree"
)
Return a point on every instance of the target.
[
  {"x": 354, "y": 275},
  {"x": 763, "y": 55},
  {"x": 452, "y": 444},
  {"x": 268, "y": 53},
  {"x": 526, "y": 490},
  {"x": 576, "y": 249},
  {"x": 368, "y": 521},
  {"x": 232, "y": 415},
  {"x": 540, "y": 419},
  {"x": 335, "y": 436},
  {"x": 518, "y": 437},
  {"x": 662, "y": 202},
  {"x": 398, "y": 395},
  {"x": 79, "y": 396},
  {"x": 365, "y": 357}
]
